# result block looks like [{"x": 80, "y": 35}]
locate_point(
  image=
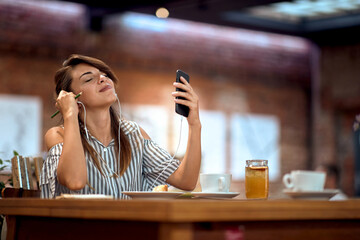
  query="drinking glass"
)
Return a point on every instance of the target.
[{"x": 257, "y": 179}]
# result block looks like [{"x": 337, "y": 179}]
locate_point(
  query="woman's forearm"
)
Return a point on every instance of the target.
[
  {"x": 72, "y": 171},
  {"x": 186, "y": 176}
]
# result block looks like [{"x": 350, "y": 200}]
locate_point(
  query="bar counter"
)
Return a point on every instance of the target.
[{"x": 30, "y": 218}]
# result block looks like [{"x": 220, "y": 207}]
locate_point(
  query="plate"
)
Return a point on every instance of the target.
[
  {"x": 322, "y": 195},
  {"x": 215, "y": 194},
  {"x": 84, "y": 196},
  {"x": 153, "y": 195}
]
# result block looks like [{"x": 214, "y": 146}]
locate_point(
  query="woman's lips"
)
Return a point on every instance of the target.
[{"x": 107, "y": 87}]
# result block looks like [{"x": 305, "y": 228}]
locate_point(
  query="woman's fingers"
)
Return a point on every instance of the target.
[
  {"x": 191, "y": 99},
  {"x": 65, "y": 96},
  {"x": 186, "y": 95},
  {"x": 66, "y": 103},
  {"x": 190, "y": 104},
  {"x": 184, "y": 85}
]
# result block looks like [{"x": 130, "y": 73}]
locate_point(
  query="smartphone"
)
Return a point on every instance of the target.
[{"x": 179, "y": 108}]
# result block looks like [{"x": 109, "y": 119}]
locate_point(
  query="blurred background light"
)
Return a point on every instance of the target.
[{"x": 162, "y": 13}]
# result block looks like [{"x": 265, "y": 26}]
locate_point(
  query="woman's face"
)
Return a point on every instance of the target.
[{"x": 97, "y": 89}]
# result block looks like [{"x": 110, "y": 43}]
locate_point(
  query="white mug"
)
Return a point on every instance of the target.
[
  {"x": 300, "y": 180},
  {"x": 215, "y": 182}
]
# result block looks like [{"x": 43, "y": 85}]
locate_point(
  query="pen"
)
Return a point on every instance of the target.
[{"x": 59, "y": 111}]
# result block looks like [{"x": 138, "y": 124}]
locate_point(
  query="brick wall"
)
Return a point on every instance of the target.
[{"x": 232, "y": 70}]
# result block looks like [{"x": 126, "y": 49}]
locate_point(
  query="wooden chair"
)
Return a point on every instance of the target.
[
  {"x": 19, "y": 193},
  {"x": 23, "y": 187},
  {"x": 38, "y": 163},
  {"x": 22, "y": 175},
  {"x": 21, "y": 172}
]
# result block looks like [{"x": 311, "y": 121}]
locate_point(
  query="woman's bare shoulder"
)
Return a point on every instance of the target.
[
  {"x": 54, "y": 136},
  {"x": 144, "y": 134}
]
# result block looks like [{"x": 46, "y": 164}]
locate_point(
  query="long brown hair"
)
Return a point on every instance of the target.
[{"x": 63, "y": 80}]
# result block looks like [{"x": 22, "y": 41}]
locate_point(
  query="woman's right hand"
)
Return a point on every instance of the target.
[
  {"x": 71, "y": 169},
  {"x": 67, "y": 104}
]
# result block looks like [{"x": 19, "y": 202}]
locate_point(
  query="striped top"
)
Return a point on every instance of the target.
[{"x": 148, "y": 162}]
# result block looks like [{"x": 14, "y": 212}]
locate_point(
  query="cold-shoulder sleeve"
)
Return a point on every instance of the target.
[
  {"x": 48, "y": 176},
  {"x": 158, "y": 164}
]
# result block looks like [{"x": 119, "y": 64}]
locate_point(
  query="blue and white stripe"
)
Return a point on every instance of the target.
[{"x": 148, "y": 161}]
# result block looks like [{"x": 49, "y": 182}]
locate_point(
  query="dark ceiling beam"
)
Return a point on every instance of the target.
[
  {"x": 206, "y": 11},
  {"x": 333, "y": 23},
  {"x": 229, "y": 13},
  {"x": 117, "y": 4},
  {"x": 298, "y": 28},
  {"x": 338, "y": 36},
  {"x": 226, "y": 4}
]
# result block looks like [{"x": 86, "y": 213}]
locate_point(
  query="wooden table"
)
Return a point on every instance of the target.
[{"x": 181, "y": 219}]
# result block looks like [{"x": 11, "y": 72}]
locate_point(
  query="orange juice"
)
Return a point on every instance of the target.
[{"x": 257, "y": 180}]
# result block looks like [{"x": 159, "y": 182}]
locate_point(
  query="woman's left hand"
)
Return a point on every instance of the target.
[
  {"x": 191, "y": 100},
  {"x": 186, "y": 176}
]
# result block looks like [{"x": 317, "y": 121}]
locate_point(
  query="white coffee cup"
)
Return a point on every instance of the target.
[
  {"x": 215, "y": 182},
  {"x": 300, "y": 180}
]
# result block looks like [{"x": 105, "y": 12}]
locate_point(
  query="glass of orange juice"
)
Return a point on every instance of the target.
[{"x": 257, "y": 179}]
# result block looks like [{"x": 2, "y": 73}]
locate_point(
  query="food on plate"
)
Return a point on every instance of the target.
[{"x": 160, "y": 188}]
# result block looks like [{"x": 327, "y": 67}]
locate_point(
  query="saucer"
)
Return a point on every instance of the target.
[{"x": 321, "y": 195}]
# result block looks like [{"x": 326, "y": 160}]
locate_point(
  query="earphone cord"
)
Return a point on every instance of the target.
[
  {"x": 172, "y": 158},
  {"x": 87, "y": 136},
  {"x": 119, "y": 140},
  {"x": 119, "y": 136}
]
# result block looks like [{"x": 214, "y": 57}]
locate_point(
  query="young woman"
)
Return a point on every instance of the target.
[{"x": 97, "y": 152}]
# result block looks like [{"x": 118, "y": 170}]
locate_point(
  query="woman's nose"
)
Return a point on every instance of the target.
[{"x": 102, "y": 78}]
